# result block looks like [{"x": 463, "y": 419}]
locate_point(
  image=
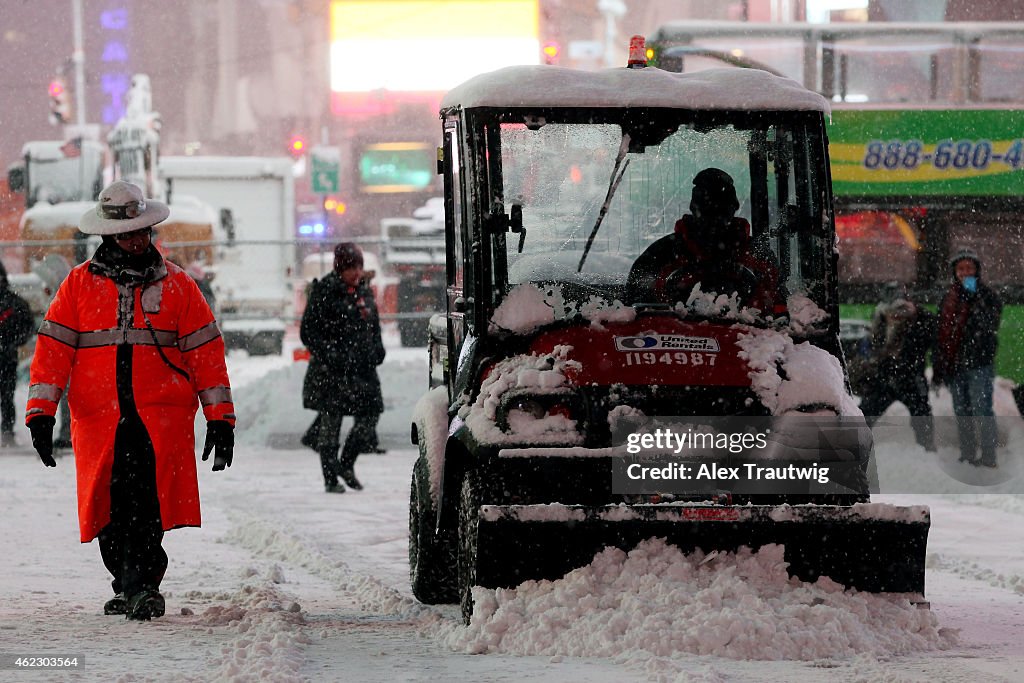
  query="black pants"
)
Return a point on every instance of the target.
[
  {"x": 361, "y": 439},
  {"x": 911, "y": 392},
  {"x": 130, "y": 544},
  {"x": 8, "y": 380}
]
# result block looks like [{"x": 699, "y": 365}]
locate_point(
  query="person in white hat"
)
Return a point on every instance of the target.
[{"x": 134, "y": 341}]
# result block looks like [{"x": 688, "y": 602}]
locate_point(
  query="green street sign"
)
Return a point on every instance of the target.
[{"x": 324, "y": 167}]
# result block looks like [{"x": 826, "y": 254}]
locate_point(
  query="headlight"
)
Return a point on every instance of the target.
[
  {"x": 529, "y": 407},
  {"x": 532, "y": 414}
]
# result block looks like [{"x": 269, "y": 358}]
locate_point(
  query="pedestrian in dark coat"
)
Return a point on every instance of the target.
[
  {"x": 16, "y": 326},
  {"x": 965, "y": 357},
  {"x": 902, "y": 334},
  {"x": 341, "y": 329}
]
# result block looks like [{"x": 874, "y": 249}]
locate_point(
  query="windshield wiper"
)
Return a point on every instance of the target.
[{"x": 613, "y": 185}]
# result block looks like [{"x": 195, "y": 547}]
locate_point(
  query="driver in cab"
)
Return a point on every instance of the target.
[{"x": 710, "y": 246}]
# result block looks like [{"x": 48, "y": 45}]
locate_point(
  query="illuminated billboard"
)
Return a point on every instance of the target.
[
  {"x": 396, "y": 167},
  {"x": 427, "y": 45}
]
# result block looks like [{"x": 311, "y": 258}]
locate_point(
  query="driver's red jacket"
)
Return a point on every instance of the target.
[{"x": 669, "y": 269}]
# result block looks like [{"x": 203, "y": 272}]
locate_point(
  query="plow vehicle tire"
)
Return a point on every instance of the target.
[
  {"x": 469, "y": 519},
  {"x": 432, "y": 558}
]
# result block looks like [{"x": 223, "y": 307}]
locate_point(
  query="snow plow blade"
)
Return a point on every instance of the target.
[{"x": 870, "y": 547}]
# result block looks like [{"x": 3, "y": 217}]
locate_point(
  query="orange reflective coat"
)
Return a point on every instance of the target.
[{"x": 78, "y": 341}]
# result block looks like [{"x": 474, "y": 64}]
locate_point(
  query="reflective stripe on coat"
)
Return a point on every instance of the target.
[{"x": 78, "y": 341}]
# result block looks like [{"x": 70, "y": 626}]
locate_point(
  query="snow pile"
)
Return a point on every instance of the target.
[
  {"x": 368, "y": 593},
  {"x": 269, "y": 407},
  {"x": 804, "y": 314},
  {"x": 528, "y": 307},
  {"x": 600, "y": 311},
  {"x": 552, "y": 86},
  {"x": 656, "y": 602},
  {"x": 529, "y": 376},
  {"x": 267, "y": 626},
  {"x": 715, "y": 305},
  {"x": 786, "y": 376}
]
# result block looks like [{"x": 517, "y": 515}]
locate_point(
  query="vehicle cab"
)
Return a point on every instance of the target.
[{"x": 558, "y": 180}]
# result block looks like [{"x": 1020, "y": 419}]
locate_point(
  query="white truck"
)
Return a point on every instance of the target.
[{"x": 255, "y": 259}]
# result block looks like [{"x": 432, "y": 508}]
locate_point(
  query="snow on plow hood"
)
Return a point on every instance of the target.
[
  {"x": 786, "y": 376},
  {"x": 528, "y": 307}
]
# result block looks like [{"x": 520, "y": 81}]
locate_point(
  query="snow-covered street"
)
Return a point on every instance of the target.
[{"x": 285, "y": 582}]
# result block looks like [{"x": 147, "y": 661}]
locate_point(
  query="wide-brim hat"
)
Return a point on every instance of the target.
[{"x": 122, "y": 208}]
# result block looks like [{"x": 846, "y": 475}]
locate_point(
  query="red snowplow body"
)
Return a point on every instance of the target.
[{"x": 657, "y": 349}]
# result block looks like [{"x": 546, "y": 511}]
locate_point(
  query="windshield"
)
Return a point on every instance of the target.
[{"x": 628, "y": 186}]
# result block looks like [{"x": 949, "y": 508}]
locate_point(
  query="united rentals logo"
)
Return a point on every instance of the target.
[{"x": 676, "y": 342}]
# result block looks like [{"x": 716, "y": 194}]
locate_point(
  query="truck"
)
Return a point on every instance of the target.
[
  {"x": 61, "y": 179},
  {"x": 412, "y": 249},
  {"x": 254, "y": 265},
  {"x": 550, "y": 372}
]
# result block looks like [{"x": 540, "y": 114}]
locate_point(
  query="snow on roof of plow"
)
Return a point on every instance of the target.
[{"x": 552, "y": 86}]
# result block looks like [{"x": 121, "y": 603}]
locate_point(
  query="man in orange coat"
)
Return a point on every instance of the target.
[{"x": 140, "y": 347}]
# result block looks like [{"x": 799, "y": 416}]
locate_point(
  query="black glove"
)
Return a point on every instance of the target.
[
  {"x": 42, "y": 437},
  {"x": 219, "y": 434}
]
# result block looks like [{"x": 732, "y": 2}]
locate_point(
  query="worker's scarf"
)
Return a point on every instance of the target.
[{"x": 125, "y": 268}]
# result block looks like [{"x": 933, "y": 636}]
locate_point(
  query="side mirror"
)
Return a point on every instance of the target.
[
  {"x": 16, "y": 178},
  {"x": 227, "y": 224}
]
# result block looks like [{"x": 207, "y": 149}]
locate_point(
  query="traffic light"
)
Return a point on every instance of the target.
[
  {"x": 60, "y": 108},
  {"x": 551, "y": 50},
  {"x": 297, "y": 146}
]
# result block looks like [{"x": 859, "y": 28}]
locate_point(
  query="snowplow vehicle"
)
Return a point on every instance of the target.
[{"x": 604, "y": 373}]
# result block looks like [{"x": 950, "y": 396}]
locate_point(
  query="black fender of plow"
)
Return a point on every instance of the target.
[{"x": 873, "y": 548}]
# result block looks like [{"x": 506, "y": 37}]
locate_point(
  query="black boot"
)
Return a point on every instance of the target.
[
  {"x": 116, "y": 605},
  {"x": 349, "y": 476},
  {"x": 145, "y": 605}
]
